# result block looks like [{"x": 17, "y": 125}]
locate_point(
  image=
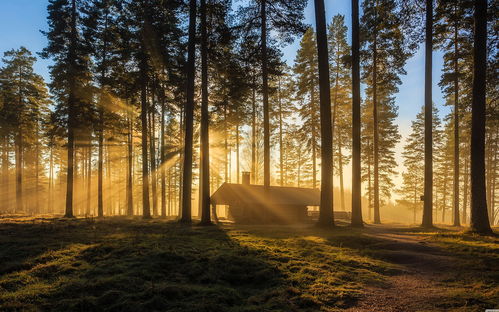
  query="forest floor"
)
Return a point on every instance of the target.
[{"x": 119, "y": 264}]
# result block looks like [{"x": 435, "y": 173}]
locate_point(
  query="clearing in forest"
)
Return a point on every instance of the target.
[{"x": 121, "y": 264}]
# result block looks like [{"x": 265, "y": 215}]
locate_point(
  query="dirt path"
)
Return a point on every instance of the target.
[{"x": 417, "y": 287}]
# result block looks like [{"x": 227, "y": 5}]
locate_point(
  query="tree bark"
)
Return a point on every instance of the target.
[
  {"x": 479, "y": 222},
  {"x": 189, "y": 117},
  {"x": 204, "y": 187},
  {"x": 146, "y": 209},
  {"x": 19, "y": 172},
  {"x": 265, "y": 90},
  {"x": 162, "y": 156},
  {"x": 152, "y": 148},
  {"x": 253, "y": 135},
  {"x": 129, "y": 186},
  {"x": 356, "y": 149},
  {"x": 428, "y": 127},
  {"x": 5, "y": 172},
  {"x": 89, "y": 177},
  {"x": 377, "y": 219},
  {"x": 281, "y": 149},
  {"x": 455, "y": 205},
  {"x": 71, "y": 104},
  {"x": 326, "y": 217}
]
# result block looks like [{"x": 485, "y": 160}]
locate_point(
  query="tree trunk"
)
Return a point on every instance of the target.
[
  {"x": 100, "y": 162},
  {"x": 178, "y": 175},
  {"x": 377, "y": 219},
  {"x": 479, "y": 222},
  {"x": 204, "y": 187},
  {"x": 356, "y": 149},
  {"x": 50, "y": 192},
  {"x": 314, "y": 139},
  {"x": 465, "y": 190},
  {"x": 428, "y": 128},
  {"x": 237, "y": 152},
  {"x": 326, "y": 217},
  {"x": 129, "y": 185},
  {"x": 265, "y": 90},
  {"x": 5, "y": 172},
  {"x": 369, "y": 183},
  {"x": 253, "y": 135},
  {"x": 281, "y": 149},
  {"x": 226, "y": 146},
  {"x": 152, "y": 148},
  {"x": 146, "y": 209},
  {"x": 189, "y": 117},
  {"x": 340, "y": 167},
  {"x": 162, "y": 156},
  {"x": 89, "y": 177},
  {"x": 19, "y": 173},
  {"x": 37, "y": 171},
  {"x": 444, "y": 200},
  {"x": 455, "y": 205}
]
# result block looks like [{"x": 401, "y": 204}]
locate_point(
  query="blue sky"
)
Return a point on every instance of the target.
[{"x": 22, "y": 20}]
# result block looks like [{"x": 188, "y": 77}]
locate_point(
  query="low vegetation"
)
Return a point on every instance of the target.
[{"x": 134, "y": 265}]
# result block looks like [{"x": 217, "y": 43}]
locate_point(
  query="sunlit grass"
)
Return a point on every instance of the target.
[{"x": 133, "y": 265}]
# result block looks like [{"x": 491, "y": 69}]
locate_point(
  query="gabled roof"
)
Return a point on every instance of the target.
[{"x": 234, "y": 194}]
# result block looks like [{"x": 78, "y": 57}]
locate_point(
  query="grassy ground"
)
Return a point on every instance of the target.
[{"x": 135, "y": 265}]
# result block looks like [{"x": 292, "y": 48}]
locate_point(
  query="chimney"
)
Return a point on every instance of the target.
[{"x": 246, "y": 177}]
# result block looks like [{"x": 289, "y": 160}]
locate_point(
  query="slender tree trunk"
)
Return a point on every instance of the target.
[
  {"x": 314, "y": 139},
  {"x": 152, "y": 147},
  {"x": 50, "y": 192},
  {"x": 5, "y": 172},
  {"x": 377, "y": 219},
  {"x": 428, "y": 127},
  {"x": 414, "y": 204},
  {"x": 170, "y": 201},
  {"x": 444, "y": 201},
  {"x": 299, "y": 167},
  {"x": 326, "y": 217},
  {"x": 37, "y": 207},
  {"x": 129, "y": 185},
  {"x": 335, "y": 131},
  {"x": 162, "y": 156},
  {"x": 178, "y": 175},
  {"x": 479, "y": 222},
  {"x": 465, "y": 191},
  {"x": 69, "y": 186},
  {"x": 265, "y": 90},
  {"x": 89, "y": 177},
  {"x": 253, "y": 135},
  {"x": 110, "y": 202},
  {"x": 189, "y": 117},
  {"x": 100, "y": 162},
  {"x": 237, "y": 151},
  {"x": 146, "y": 209},
  {"x": 226, "y": 146},
  {"x": 204, "y": 188},
  {"x": 340, "y": 167},
  {"x": 456, "y": 130},
  {"x": 356, "y": 149},
  {"x": 369, "y": 182},
  {"x": 281, "y": 149},
  {"x": 19, "y": 172}
]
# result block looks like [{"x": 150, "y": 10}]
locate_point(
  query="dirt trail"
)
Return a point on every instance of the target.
[{"x": 416, "y": 288}]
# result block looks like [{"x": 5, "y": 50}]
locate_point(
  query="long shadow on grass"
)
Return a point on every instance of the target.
[
  {"x": 359, "y": 258},
  {"x": 127, "y": 265}
]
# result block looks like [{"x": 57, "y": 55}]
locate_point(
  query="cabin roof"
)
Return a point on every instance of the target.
[{"x": 234, "y": 194}]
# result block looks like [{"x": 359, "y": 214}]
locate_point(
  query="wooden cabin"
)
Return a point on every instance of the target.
[{"x": 249, "y": 203}]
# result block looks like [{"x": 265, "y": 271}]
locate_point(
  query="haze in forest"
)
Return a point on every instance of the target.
[{"x": 231, "y": 132}]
